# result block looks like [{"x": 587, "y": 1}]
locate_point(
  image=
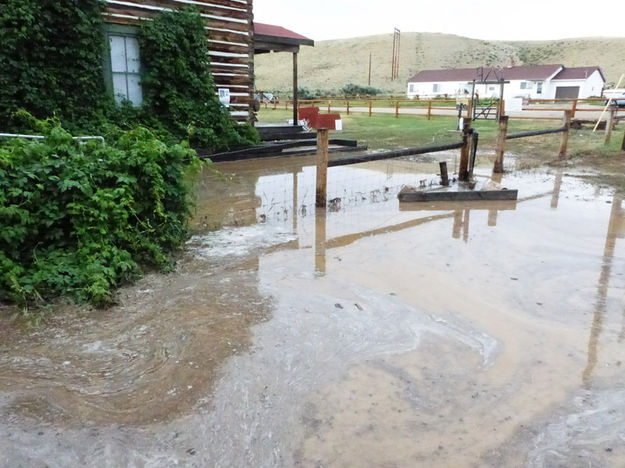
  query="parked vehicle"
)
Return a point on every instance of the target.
[
  {"x": 618, "y": 101},
  {"x": 267, "y": 97}
]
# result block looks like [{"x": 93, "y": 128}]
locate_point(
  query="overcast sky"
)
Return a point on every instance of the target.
[{"x": 482, "y": 19}]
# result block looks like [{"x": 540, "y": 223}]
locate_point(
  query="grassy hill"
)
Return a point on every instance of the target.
[{"x": 332, "y": 64}]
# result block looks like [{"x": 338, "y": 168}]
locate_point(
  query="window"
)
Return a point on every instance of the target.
[
  {"x": 125, "y": 68},
  {"x": 526, "y": 85},
  {"x": 491, "y": 88},
  {"x": 411, "y": 88},
  {"x": 435, "y": 88},
  {"x": 539, "y": 87}
]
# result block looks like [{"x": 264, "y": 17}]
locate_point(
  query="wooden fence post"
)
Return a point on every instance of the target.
[
  {"x": 347, "y": 107},
  {"x": 370, "y": 108},
  {"x": 609, "y": 125},
  {"x": 396, "y": 109},
  {"x": 564, "y": 142},
  {"x": 500, "y": 148},
  {"x": 322, "y": 167},
  {"x": 623, "y": 145},
  {"x": 574, "y": 109},
  {"x": 286, "y": 104},
  {"x": 429, "y": 110},
  {"x": 465, "y": 151}
]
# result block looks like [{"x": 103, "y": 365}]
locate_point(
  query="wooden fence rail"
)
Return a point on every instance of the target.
[
  {"x": 502, "y": 137},
  {"x": 436, "y": 107}
]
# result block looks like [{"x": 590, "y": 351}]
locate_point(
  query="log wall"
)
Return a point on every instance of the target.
[{"x": 230, "y": 35}]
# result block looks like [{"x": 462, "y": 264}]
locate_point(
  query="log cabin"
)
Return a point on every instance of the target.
[{"x": 231, "y": 43}]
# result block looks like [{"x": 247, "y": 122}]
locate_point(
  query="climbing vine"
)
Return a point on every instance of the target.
[
  {"x": 51, "y": 58},
  {"x": 179, "y": 90}
]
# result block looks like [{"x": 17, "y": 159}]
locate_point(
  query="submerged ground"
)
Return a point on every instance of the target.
[{"x": 374, "y": 334}]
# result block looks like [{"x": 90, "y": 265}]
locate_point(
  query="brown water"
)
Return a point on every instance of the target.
[{"x": 372, "y": 334}]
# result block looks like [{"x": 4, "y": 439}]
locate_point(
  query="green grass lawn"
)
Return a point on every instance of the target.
[{"x": 383, "y": 131}]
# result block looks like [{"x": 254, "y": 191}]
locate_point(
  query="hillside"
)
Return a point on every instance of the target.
[{"x": 332, "y": 64}]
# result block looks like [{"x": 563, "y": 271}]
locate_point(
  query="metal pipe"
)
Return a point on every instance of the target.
[
  {"x": 41, "y": 137},
  {"x": 393, "y": 154},
  {"x": 512, "y": 136}
]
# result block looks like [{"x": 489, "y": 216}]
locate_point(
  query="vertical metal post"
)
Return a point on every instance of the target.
[
  {"x": 444, "y": 174},
  {"x": 322, "y": 167}
]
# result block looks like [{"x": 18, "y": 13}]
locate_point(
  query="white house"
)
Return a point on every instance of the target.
[
  {"x": 580, "y": 82},
  {"x": 533, "y": 82}
]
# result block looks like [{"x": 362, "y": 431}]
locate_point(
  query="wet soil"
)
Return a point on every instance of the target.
[{"x": 372, "y": 334}]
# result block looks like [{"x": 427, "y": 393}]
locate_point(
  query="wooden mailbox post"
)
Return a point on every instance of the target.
[{"x": 323, "y": 123}]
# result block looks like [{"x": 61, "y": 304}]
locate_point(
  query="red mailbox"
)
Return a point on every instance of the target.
[{"x": 321, "y": 121}]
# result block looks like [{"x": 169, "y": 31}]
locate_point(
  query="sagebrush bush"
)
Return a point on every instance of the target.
[{"x": 78, "y": 219}]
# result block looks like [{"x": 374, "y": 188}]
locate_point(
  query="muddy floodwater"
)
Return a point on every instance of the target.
[{"x": 371, "y": 334}]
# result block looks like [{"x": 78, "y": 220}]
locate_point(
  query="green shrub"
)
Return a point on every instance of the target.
[{"x": 78, "y": 219}]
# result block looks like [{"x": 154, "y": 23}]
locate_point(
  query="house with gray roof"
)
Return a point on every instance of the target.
[{"x": 529, "y": 82}]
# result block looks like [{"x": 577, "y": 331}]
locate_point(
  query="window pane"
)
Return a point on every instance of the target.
[
  {"x": 132, "y": 54},
  {"x": 120, "y": 89},
  {"x": 135, "y": 95},
  {"x": 118, "y": 53}
]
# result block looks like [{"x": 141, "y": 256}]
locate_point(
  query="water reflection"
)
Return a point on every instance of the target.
[
  {"x": 616, "y": 230},
  {"x": 254, "y": 346},
  {"x": 320, "y": 241},
  {"x": 557, "y": 187}
]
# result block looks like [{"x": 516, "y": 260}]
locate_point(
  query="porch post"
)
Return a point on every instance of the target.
[{"x": 295, "y": 97}]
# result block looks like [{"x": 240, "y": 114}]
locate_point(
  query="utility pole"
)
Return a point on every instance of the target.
[{"x": 396, "y": 48}]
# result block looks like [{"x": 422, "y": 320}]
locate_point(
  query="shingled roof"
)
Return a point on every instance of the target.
[
  {"x": 578, "y": 73},
  {"x": 527, "y": 72},
  {"x": 262, "y": 29}
]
